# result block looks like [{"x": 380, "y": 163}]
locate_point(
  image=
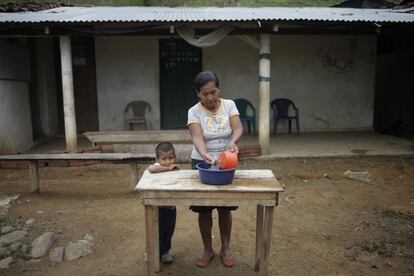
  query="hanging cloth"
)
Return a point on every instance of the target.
[
  {"x": 208, "y": 40},
  {"x": 251, "y": 40}
]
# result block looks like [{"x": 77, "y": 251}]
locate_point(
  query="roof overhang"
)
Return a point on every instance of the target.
[{"x": 158, "y": 20}]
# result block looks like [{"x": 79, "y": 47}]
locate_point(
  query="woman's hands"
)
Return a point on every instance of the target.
[
  {"x": 209, "y": 159},
  {"x": 233, "y": 147}
]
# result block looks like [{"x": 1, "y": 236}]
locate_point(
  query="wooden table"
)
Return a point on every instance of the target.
[{"x": 250, "y": 187}]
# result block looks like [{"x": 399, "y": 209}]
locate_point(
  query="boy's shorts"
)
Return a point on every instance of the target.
[{"x": 205, "y": 209}]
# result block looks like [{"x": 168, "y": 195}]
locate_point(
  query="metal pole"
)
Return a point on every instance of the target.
[
  {"x": 68, "y": 94},
  {"x": 264, "y": 92}
]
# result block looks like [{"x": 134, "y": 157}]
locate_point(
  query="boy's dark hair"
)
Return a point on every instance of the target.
[
  {"x": 205, "y": 77},
  {"x": 164, "y": 147}
]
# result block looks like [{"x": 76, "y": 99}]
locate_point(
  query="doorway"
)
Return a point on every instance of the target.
[
  {"x": 84, "y": 86},
  {"x": 180, "y": 62}
]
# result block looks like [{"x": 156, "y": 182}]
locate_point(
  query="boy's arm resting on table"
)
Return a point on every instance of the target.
[{"x": 159, "y": 168}]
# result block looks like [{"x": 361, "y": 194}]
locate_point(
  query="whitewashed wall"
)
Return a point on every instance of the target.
[
  {"x": 330, "y": 78},
  {"x": 126, "y": 70},
  {"x": 15, "y": 118}
]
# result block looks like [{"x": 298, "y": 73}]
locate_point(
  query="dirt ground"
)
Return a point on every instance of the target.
[{"x": 324, "y": 225}]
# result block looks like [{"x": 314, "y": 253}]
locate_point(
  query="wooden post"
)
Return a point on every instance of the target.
[
  {"x": 267, "y": 239},
  {"x": 157, "y": 266},
  {"x": 133, "y": 174},
  {"x": 68, "y": 94},
  {"x": 259, "y": 235},
  {"x": 264, "y": 92},
  {"x": 152, "y": 239},
  {"x": 34, "y": 175}
]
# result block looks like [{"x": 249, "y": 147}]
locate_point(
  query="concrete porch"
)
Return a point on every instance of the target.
[{"x": 323, "y": 144}]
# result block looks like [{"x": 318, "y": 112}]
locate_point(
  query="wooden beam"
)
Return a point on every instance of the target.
[
  {"x": 34, "y": 175},
  {"x": 133, "y": 170},
  {"x": 259, "y": 236},
  {"x": 267, "y": 239},
  {"x": 82, "y": 156},
  {"x": 152, "y": 239}
]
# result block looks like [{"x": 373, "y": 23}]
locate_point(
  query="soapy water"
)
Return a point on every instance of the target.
[{"x": 214, "y": 167}]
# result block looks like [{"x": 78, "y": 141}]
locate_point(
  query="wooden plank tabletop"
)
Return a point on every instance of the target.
[
  {"x": 189, "y": 181},
  {"x": 147, "y": 136},
  {"x": 81, "y": 156}
]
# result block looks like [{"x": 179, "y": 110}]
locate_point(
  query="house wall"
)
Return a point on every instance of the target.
[
  {"x": 15, "y": 118},
  {"x": 46, "y": 86},
  {"x": 126, "y": 70},
  {"x": 330, "y": 78}
]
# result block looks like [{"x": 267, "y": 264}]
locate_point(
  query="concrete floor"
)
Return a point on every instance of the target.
[
  {"x": 331, "y": 144},
  {"x": 326, "y": 144}
]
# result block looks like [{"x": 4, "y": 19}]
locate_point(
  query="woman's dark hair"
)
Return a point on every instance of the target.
[{"x": 205, "y": 77}]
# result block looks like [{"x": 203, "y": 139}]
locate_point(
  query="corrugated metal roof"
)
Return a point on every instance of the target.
[{"x": 204, "y": 14}]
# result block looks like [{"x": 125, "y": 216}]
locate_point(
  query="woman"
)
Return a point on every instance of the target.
[{"x": 214, "y": 126}]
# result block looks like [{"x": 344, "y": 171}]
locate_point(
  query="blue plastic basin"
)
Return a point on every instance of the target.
[{"x": 215, "y": 176}]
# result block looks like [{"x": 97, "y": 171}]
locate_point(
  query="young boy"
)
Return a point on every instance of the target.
[{"x": 165, "y": 161}]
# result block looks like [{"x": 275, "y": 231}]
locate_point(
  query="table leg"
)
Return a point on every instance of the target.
[
  {"x": 259, "y": 235},
  {"x": 133, "y": 175},
  {"x": 34, "y": 174},
  {"x": 152, "y": 239},
  {"x": 267, "y": 238}
]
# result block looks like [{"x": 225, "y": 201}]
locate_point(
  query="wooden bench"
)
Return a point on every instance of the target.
[
  {"x": 136, "y": 137},
  {"x": 132, "y": 158}
]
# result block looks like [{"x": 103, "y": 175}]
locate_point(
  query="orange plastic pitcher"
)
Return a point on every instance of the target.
[{"x": 228, "y": 160}]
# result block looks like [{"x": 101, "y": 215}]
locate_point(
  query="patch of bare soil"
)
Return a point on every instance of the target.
[{"x": 325, "y": 223}]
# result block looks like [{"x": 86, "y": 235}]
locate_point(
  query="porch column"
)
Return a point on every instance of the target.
[
  {"x": 264, "y": 92},
  {"x": 68, "y": 94}
]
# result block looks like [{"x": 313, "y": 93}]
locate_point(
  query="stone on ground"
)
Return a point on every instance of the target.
[
  {"x": 4, "y": 202},
  {"x": 56, "y": 254},
  {"x": 7, "y": 229},
  {"x": 77, "y": 249},
  {"x": 4, "y": 264},
  {"x": 4, "y": 252},
  {"x": 41, "y": 245},
  {"x": 13, "y": 236},
  {"x": 30, "y": 221},
  {"x": 88, "y": 238},
  {"x": 15, "y": 246},
  {"x": 358, "y": 176}
]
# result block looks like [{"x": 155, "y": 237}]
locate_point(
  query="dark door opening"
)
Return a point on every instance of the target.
[
  {"x": 394, "y": 89},
  {"x": 180, "y": 62},
  {"x": 34, "y": 93},
  {"x": 84, "y": 86}
]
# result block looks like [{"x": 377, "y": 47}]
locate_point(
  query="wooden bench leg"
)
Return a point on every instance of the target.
[
  {"x": 34, "y": 175},
  {"x": 133, "y": 175},
  {"x": 259, "y": 235},
  {"x": 267, "y": 238},
  {"x": 152, "y": 239}
]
